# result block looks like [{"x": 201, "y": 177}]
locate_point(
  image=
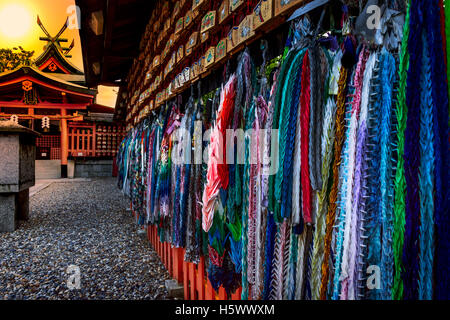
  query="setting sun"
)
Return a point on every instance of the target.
[{"x": 15, "y": 21}]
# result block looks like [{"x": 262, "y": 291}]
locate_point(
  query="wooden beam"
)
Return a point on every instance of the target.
[
  {"x": 44, "y": 84},
  {"x": 31, "y": 113},
  {"x": 43, "y": 105},
  {"x": 118, "y": 58},
  {"x": 110, "y": 15},
  {"x": 124, "y": 22},
  {"x": 51, "y": 39},
  {"x": 97, "y": 23},
  {"x": 122, "y": 30},
  {"x": 40, "y": 116}
]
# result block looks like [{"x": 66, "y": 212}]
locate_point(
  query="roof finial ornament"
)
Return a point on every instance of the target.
[{"x": 56, "y": 40}]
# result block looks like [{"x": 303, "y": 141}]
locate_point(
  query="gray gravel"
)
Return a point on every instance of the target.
[{"x": 83, "y": 224}]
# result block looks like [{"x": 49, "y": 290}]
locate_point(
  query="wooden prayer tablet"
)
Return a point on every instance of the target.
[
  {"x": 196, "y": 4},
  {"x": 246, "y": 29},
  {"x": 221, "y": 49},
  {"x": 224, "y": 11},
  {"x": 193, "y": 40},
  {"x": 156, "y": 61},
  {"x": 235, "y": 4},
  {"x": 262, "y": 13},
  {"x": 171, "y": 40},
  {"x": 233, "y": 38},
  {"x": 188, "y": 18},
  {"x": 209, "y": 57},
  {"x": 201, "y": 64},
  {"x": 167, "y": 25},
  {"x": 283, "y": 5},
  {"x": 180, "y": 54},
  {"x": 187, "y": 74},
  {"x": 205, "y": 36},
  {"x": 208, "y": 21},
  {"x": 176, "y": 10},
  {"x": 193, "y": 71},
  {"x": 179, "y": 25}
]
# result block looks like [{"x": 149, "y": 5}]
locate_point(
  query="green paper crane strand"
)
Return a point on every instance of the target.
[{"x": 400, "y": 181}]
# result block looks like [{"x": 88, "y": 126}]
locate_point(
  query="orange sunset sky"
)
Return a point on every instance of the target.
[{"x": 18, "y": 27}]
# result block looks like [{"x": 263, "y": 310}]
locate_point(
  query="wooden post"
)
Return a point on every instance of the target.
[
  {"x": 237, "y": 294},
  {"x": 165, "y": 254},
  {"x": 160, "y": 246},
  {"x": 94, "y": 140},
  {"x": 169, "y": 260},
  {"x": 168, "y": 257},
  {"x": 178, "y": 264},
  {"x": 152, "y": 235},
  {"x": 149, "y": 234},
  {"x": 83, "y": 140},
  {"x": 174, "y": 259},
  {"x": 31, "y": 113},
  {"x": 185, "y": 280},
  {"x": 222, "y": 294},
  {"x": 201, "y": 279},
  {"x": 153, "y": 238},
  {"x": 192, "y": 281},
  {"x": 210, "y": 294},
  {"x": 64, "y": 143}
]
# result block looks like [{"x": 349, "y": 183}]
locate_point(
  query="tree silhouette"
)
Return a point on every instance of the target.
[{"x": 10, "y": 59}]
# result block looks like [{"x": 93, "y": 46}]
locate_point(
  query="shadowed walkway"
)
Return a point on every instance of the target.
[{"x": 83, "y": 224}]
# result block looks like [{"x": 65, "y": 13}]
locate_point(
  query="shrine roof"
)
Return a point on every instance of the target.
[
  {"x": 98, "y": 108},
  {"x": 11, "y": 126},
  {"x": 30, "y": 72},
  {"x": 52, "y": 52}
]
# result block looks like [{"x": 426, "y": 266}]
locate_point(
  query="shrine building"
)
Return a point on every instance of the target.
[{"x": 49, "y": 96}]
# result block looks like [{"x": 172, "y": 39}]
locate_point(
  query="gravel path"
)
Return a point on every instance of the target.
[{"x": 83, "y": 224}]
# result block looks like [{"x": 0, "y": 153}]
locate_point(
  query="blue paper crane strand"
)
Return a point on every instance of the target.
[
  {"x": 372, "y": 226},
  {"x": 441, "y": 144},
  {"x": 386, "y": 172},
  {"x": 426, "y": 180},
  {"x": 412, "y": 156}
]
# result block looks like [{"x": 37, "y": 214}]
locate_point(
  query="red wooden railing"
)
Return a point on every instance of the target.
[
  {"x": 82, "y": 141},
  {"x": 192, "y": 276},
  {"x": 94, "y": 141}
]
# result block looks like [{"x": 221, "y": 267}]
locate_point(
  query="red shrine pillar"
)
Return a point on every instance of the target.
[
  {"x": 64, "y": 144},
  {"x": 31, "y": 113}
]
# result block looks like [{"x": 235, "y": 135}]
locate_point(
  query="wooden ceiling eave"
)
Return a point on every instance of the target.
[
  {"x": 114, "y": 50},
  {"x": 91, "y": 44}
]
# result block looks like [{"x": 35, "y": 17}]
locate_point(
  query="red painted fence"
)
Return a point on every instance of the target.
[
  {"x": 89, "y": 140},
  {"x": 82, "y": 142},
  {"x": 192, "y": 276}
]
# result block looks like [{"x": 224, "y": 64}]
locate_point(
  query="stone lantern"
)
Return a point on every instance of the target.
[{"x": 17, "y": 173}]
